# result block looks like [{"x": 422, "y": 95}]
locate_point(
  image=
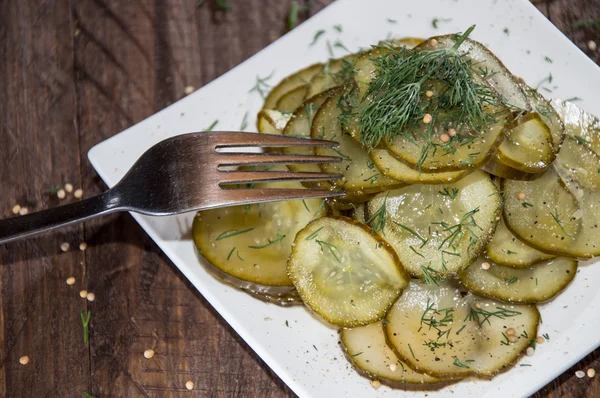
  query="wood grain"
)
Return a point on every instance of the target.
[{"x": 73, "y": 73}]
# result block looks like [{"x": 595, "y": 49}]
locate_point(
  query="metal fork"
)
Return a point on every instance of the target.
[{"x": 188, "y": 173}]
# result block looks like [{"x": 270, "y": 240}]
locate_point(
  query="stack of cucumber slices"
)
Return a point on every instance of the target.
[{"x": 469, "y": 199}]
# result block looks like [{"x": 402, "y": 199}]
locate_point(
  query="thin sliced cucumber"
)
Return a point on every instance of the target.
[
  {"x": 528, "y": 146},
  {"x": 506, "y": 248},
  {"x": 579, "y": 124},
  {"x": 344, "y": 273},
  {"x": 300, "y": 126},
  {"x": 359, "y": 171},
  {"x": 252, "y": 243},
  {"x": 271, "y": 121},
  {"x": 334, "y": 73},
  {"x": 549, "y": 115},
  {"x": 292, "y": 99},
  {"x": 437, "y": 230},
  {"x": 440, "y": 331},
  {"x": 537, "y": 283},
  {"x": 394, "y": 168},
  {"x": 369, "y": 352}
]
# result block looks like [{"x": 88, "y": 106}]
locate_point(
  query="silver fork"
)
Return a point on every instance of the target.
[{"x": 187, "y": 173}]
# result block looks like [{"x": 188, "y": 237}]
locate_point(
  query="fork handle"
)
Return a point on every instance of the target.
[{"x": 32, "y": 224}]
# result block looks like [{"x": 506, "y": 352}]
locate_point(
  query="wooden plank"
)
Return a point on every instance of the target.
[{"x": 40, "y": 150}]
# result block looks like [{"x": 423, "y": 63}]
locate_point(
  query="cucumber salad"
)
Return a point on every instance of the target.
[{"x": 469, "y": 199}]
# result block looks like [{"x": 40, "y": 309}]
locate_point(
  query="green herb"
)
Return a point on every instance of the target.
[
  {"x": 440, "y": 319},
  {"x": 232, "y": 232},
  {"x": 428, "y": 274},
  {"x": 223, "y": 4},
  {"x": 572, "y": 99},
  {"x": 547, "y": 79},
  {"x": 310, "y": 108},
  {"x": 329, "y": 48},
  {"x": 412, "y": 232},
  {"x": 481, "y": 315},
  {"x": 355, "y": 355},
  {"x": 509, "y": 252},
  {"x": 230, "y": 253},
  {"x": 261, "y": 85},
  {"x": 53, "y": 189},
  {"x": 526, "y": 204},
  {"x": 339, "y": 44},
  {"x": 524, "y": 334},
  {"x": 317, "y": 35},
  {"x": 546, "y": 336},
  {"x": 390, "y": 20},
  {"x": 457, "y": 232},
  {"x": 331, "y": 248},
  {"x": 287, "y": 324},
  {"x": 435, "y": 21},
  {"x": 305, "y": 205},
  {"x": 512, "y": 280},
  {"x": 244, "y": 122},
  {"x": 433, "y": 345},
  {"x": 449, "y": 193},
  {"x": 581, "y": 140},
  {"x": 548, "y": 59},
  {"x": 315, "y": 347},
  {"x": 343, "y": 156},
  {"x": 416, "y": 252},
  {"x": 411, "y": 351},
  {"x": 504, "y": 339},
  {"x": 587, "y": 23},
  {"x": 506, "y": 31},
  {"x": 85, "y": 321},
  {"x": 212, "y": 126},
  {"x": 314, "y": 234},
  {"x": 378, "y": 219},
  {"x": 321, "y": 206},
  {"x": 385, "y": 321},
  {"x": 397, "y": 89},
  {"x": 536, "y": 281},
  {"x": 237, "y": 253},
  {"x": 372, "y": 179},
  {"x": 524, "y": 364},
  {"x": 461, "y": 329},
  {"x": 278, "y": 239},
  {"x": 460, "y": 364},
  {"x": 293, "y": 15},
  {"x": 556, "y": 217},
  {"x": 338, "y": 28},
  {"x": 88, "y": 395}
]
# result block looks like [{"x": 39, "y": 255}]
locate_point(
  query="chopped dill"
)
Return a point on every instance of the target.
[
  {"x": 244, "y": 123},
  {"x": 512, "y": 280},
  {"x": 314, "y": 234},
  {"x": 262, "y": 85},
  {"x": 317, "y": 35},
  {"x": 212, "y": 126},
  {"x": 436, "y": 21},
  {"x": 557, "y": 218},
  {"x": 460, "y": 364},
  {"x": 331, "y": 248},
  {"x": 449, "y": 193},
  {"x": 481, "y": 315},
  {"x": 278, "y": 239},
  {"x": 378, "y": 219},
  {"x": 232, "y": 232}
]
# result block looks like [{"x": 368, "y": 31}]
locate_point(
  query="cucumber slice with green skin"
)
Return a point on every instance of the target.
[
  {"x": 252, "y": 243},
  {"x": 535, "y": 284},
  {"x": 292, "y": 99},
  {"x": 394, "y": 168},
  {"x": 345, "y": 273},
  {"x": 528, "y": 146},
  {"x": 300, "y": 125},
  {"x": 580, "y": 125},
  {"x": 369, "y": 352},
  {"x": 442, "y": 332},
  {"x": 360, "y": 173},
  {"x": 437, "y": 230},
  {"x": 506, "y": 248},
  {"x": 271, "y": 121}
]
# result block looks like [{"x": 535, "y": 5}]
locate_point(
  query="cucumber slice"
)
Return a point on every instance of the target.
[
  {"x": 344, "y": 273},
  {"x": 394, "y": 168},
  {"x": 437, "y": 230},
  {"x": 360, "y": 173},
  {"x": 507, "y": 249},
  {"x": 548, "y": 114},
  {"x": 334, "y": 73},
  {"x": 300, "y": 126},
  {"x": 580, "y": 125},
  {"x": 370, "y": 354},
  {"x": 440, "y": 331},
  {"x": 271, "y": 121},
  {"x": 544, "y": 219},
  {"x": 252, "y": 243},
  {"x": 534, "y": 284},
  {"x": 284, "y": 300},
  {"x": 292, "y": 99},
  {"x": 528, "y": 146}
]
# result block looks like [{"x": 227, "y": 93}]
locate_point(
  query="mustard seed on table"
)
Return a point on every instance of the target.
[
  {"x": 69, "y": 188},
  {"x": 189, "y": 385},
  {"x": 70, "y": 281},
  {"x": 24, "y": 360},
  {"x": 78, "y": 193},
  {"x": 148, "y": 354},
  {"x": 16, "y": 209},
  {"x": 82, "y": 246},
  {"x": 61, "y": 194},
  {"x": 64, "y": 246},
  {"x": 83, "y": 294},
  {"x": 90, "y": 296},
  {"x": 23, "y": 211}
]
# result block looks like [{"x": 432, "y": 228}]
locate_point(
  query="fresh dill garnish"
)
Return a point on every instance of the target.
[
  {"x": 379, "y": 217},
  {"x": 457, "y": 232},
  {"x": 230, "y": 253},
  {"x": 411, "y": 351},
  {"x": 449, "y": 193},
  {"x": 430, "y": 275},
  {"x": 315, "y": 347},
  {"x": 287, "y": 323},
  {"x": 314, "y": 234},
  {"x": 401, "y": 79},
  {"x": 461, "y": 329},
  {"x": 339, "y": 44},
  {"x": 317, "y": 35},
  {"x": 372, "y": 179},
  {"x": 460, "y": 364},
  {"x": 223, "y": 4},
  {"x": 433, "y": 345},
  {"x": 53, "y": 189},
  {"x": 385, "y": 321},
  {"x": 293, "y": 15},
  {"x": 342, "y": 155},
  {"x": 481, "y": 315},
  {"x": 329, "y": 48},
  {"x": 512, "y": 280},
  {"x": 546, "y": 336},
  {"x": 232, "y": 232},
  {"x": 509, "y": 252},
  {"x": 331, "y": 248},
  {"x": 504, "y": 339},
  {"x": 524, "y": 364},
  {"x": 261, "y": 85},
  {"x": 506, "y": 31},
  {"x": 572, "y": 99},
  {"x": 357, "y": 354},
  {"x": 390, "y": 20},
  {"x": 310, "y": 109},
  {"x": 436, "y": 21},
  {"x": 416, "y": 252},
  {"x": 587, "y": 23},
  {"x": 546, "y": 79},
  {"x": 212, "y": 126},
  {"x": 412, "y": 232},
  {"x": 85, "y": 322},
  {"x": 526, "y": 204},
  {"x": 88, "y": 395},
  {"x": 581, "y": 140},
  {"x": 338, "y": 28},
  {"x": 525, "y": 334},
  {"x": 244, "y": 123},
  {"x": 305, "y": 206},
  {"x": 561, "y": 224},
  {"x": 321, "y": 206},
  {"x": 438, "y": 319},
  {"x": 237, "y": 253},
  {"x": 278, "y": 239},
  {"x": 548, "y": 59}
]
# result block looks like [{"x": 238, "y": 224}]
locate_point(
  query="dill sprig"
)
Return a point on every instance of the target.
[
  {"x": 378, "y": 219},
  {"x": 331, "y": 248},
  {"x": 278, "y": 239},
  {"x": 482, "y": 316},
  {"x": 561, "y": 223},
  {"x": 85, "y": 322},
  {"x": 438, "y": 319},
  {"x": 402, "y": 76},
  {"x": 457, "y": 232}
]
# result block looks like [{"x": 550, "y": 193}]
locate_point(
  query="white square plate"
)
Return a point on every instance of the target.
[{"x": 305, "y": 354}]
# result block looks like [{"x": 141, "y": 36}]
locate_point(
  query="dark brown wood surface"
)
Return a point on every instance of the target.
[{"x": 73, "y": 73}]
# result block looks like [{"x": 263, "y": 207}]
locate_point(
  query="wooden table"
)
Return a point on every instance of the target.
[{"x": 74, "y": 73}]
